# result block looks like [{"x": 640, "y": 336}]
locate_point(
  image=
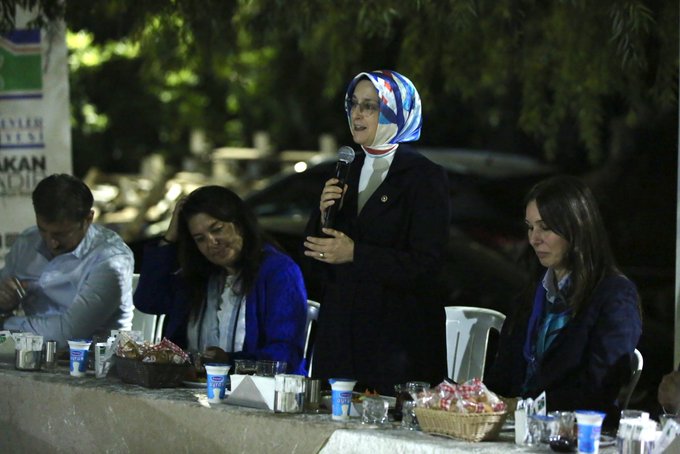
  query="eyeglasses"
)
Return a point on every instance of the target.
[{"x": 367, "y": 108}]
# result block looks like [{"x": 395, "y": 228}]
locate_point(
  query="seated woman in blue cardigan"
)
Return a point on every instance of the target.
[
  {"x": 575, "y": 334},
  {"x": 224, "y": 290}
]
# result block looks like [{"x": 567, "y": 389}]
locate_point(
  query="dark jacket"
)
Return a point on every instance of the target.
[
  {"x": 380, "y": 321},
  {"x": 589, "y": 360},
  {"x": 276, "y": 306}
]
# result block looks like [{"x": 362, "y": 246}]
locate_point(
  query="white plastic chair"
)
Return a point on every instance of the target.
[
  {"x": 146, "y": 323},
  {"x": 312, "y": 316},
  {"x": 159, "y": 329},
  {"x": 467, "y": 335},
  {"x": 627, "y": 390},
  {"x": 141, "y": 321}
]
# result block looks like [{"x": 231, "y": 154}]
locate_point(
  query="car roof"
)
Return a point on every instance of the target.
[{"x": 491, "y": 164}]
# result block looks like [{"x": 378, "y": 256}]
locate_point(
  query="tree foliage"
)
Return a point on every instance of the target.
[{"x": 568, "y": 79}]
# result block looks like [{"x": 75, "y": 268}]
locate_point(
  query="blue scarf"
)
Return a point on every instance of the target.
[
  {"x": 400, "y": 109},
  {"x": 545, "y": 323}
]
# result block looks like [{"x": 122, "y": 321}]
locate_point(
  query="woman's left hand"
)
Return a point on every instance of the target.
[
  {"x": 337, "y": 249},
  {"x": 215, "y": 355}
]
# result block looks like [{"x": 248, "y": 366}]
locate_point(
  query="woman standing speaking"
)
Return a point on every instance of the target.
[{"x": 380, "y": 321}]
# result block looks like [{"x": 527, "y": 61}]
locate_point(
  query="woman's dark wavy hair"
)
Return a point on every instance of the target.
[
  {"x": 222, "y": 204},
  {"x": 568, "y": 208}
]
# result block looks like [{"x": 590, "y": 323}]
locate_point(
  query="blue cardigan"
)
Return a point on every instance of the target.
[
  {"x": 589, "y": 360},
  {"x": 276, "y": 306}
]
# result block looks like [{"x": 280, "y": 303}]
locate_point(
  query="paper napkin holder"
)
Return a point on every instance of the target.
[{"x": 252, "y": 391}]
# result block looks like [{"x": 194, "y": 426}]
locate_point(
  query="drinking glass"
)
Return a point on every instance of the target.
[
  {"x": 408, "y": 416},
  {"x": 374, "y": 410},
  {"x": 244, "y": 367},
  {"x": 562, "y": 436},
  {"x": 416, "y": 388},
  {"x": 265, "y": 368}
]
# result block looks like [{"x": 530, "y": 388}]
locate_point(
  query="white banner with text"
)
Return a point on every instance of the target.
[{"x": 35, "y": 132}]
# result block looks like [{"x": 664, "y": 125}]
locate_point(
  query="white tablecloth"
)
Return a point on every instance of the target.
[{"x": 391, "y": 441}]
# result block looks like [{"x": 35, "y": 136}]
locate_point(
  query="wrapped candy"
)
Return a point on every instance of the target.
[{"x": 469, "y": 397}]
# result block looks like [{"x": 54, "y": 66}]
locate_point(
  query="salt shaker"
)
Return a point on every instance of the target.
[{"x": 50, "y": 355}]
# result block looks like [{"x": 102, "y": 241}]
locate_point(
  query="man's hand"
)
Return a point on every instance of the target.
[{"x": 11, "y": 293}]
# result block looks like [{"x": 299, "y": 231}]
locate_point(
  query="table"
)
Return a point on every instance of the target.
[{"x": 54, "y": 412}]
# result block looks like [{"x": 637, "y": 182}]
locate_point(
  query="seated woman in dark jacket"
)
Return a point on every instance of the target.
[
  {"x": 574, "y": 336},
  {"x": 232, "y": 295}
]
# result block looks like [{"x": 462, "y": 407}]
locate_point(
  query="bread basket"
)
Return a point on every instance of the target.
[
  {"x": 150, "y": 375},
  {"x": 466, "y": 426}
]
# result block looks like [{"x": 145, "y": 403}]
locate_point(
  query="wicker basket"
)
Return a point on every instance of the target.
[
  {"x": 150, "y": 375},
  {"x": 466, "y": 426}
]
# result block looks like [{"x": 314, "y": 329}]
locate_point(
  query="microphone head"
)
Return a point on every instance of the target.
[{"x": 346, "y": 154}]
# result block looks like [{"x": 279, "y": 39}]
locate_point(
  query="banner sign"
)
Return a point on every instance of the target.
[{"x": 35, "y": 132}]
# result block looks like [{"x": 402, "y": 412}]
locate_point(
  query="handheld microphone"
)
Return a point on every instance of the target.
[{"x": 345, "y": 158}]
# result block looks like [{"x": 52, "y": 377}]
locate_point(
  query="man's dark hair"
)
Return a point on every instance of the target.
[{"x": 62, "y": 197}]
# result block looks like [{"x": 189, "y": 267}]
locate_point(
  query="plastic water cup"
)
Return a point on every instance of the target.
[
  {"x": 589, "y": 428},
  {"x": 341, "y": 397},
  {"x": 217, "y": 381},
  {"x": 79, "y": 353}
]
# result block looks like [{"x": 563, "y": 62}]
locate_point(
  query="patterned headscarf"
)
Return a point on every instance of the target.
[{"x": 400, "y": 108}]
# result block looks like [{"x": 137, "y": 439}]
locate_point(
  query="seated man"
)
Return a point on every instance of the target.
[{"x": 71, "y": 278}]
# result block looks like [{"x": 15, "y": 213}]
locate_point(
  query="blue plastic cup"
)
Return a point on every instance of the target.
[
  {"x": 341, "y": 395},
  {"x": 79, "y": 349},
  {"x": 217, "y": 381},
  {"x": 589, "y": 428}
]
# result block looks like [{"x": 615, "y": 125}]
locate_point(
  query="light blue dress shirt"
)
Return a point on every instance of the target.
[{"x": 73, "y": 295}]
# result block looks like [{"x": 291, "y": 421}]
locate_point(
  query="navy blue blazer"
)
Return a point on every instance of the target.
[
  {"x": 380, "y": 321},
  {"x": 589, "y": 360}
]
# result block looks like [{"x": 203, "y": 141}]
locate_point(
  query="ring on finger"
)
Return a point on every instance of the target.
[{"x": 321, "y": 255}]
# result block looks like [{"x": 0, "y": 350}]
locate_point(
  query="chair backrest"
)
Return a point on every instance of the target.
[
  {"x": 159, "y": 329},
  {"x": 627, "y": 390},
  {"x": 141, "y": 321},
  {"x": 146, "y": 323},
  {"x": 467, "y": 335},
  {"x": 312, "y": 317}
]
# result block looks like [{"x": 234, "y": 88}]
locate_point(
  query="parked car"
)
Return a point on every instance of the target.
[{"x": 487, "y": 232}]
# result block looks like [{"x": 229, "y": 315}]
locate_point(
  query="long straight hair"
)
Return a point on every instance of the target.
[
  {"x": 568, "y": 208},
  {"x": 226, "y": 206}
]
